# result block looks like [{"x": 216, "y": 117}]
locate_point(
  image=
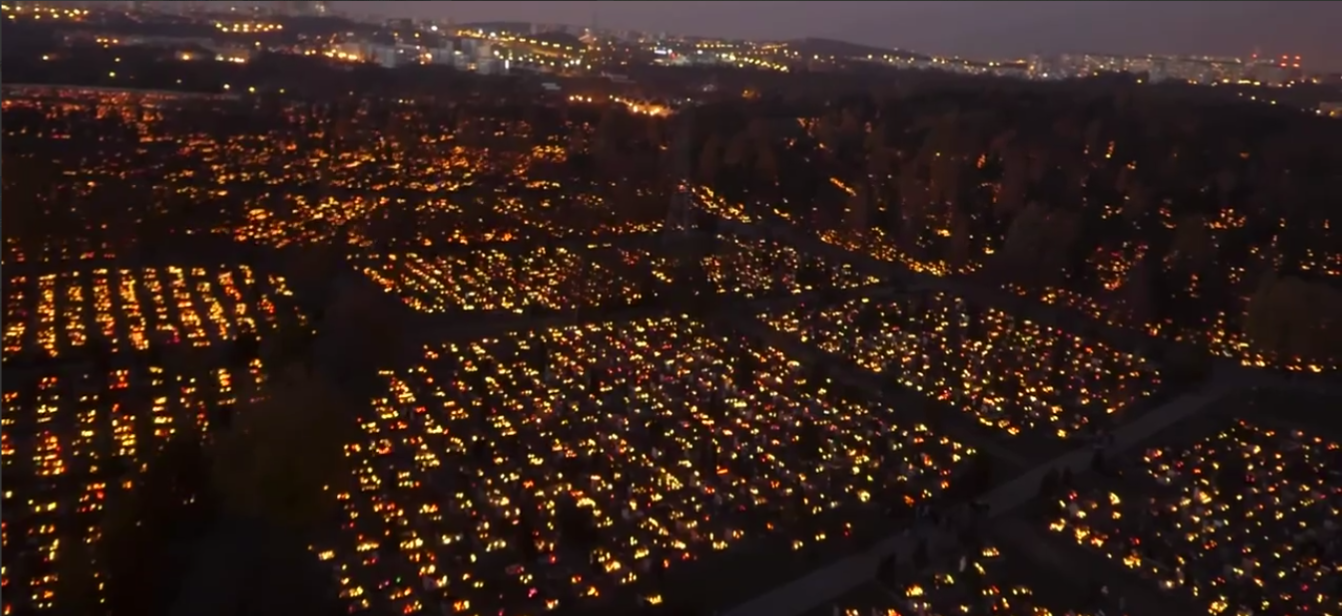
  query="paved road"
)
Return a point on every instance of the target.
[
  {"x": 527, "y": 246},
  {"x": 914, "y": 406},
  {"x": 433, "y": 327},
  {"x": 1059, "y": 316},
  {"x": 1057, "y": 575},
  {"x": 1081, "y": 572},
  {"x": 825, "y": 584}
]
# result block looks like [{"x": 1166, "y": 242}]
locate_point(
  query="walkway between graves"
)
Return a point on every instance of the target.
[{"x": 826, "y": 584}]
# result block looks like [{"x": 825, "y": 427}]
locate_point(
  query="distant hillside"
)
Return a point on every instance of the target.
[
  {"x": 561, "y": 38},
  {"x": 515, "y": 27},
  {"x": 844, "y": 49}
]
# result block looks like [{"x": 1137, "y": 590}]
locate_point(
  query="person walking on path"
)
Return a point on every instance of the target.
[{"x": 1048, "y": 486}]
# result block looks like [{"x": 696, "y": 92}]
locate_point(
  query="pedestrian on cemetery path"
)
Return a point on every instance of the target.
[
  {"x": 978, "y": 512},
  {"x": 885, "y": 571},
  {"x": 1097, "y": 463},
  {"x": 1048, "y": 486},
  {"x": 920, "y": 556}
]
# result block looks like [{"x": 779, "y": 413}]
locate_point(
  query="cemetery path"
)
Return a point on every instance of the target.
[{"x": 830, "y": 582}]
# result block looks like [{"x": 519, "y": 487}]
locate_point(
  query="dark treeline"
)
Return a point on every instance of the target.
[
  {"x": 1148, "y": 205},
  {"x": 1171, "y": 207}
]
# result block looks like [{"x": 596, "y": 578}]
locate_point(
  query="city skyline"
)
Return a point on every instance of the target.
[{"x": 975, "y": 29}]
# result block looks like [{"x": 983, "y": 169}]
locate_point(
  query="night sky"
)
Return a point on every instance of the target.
[{"x": 981, "y": 29}]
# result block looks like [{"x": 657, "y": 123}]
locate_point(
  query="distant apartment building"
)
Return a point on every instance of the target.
[
  {"x": 1274, "y": 71},
  {"x": 477, "y": 48},
  {"x": 387, "y": 56},
  {"x": 444, "y": 55},
  {"x": 1268, "y": 73},
  {"x": 491, "y": 66}
]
